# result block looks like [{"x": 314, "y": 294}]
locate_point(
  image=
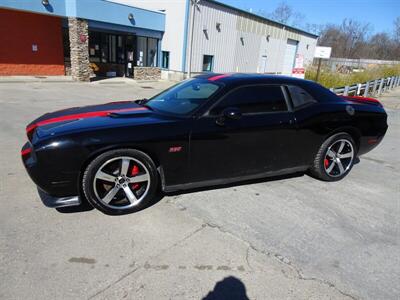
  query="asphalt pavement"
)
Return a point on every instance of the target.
[{"x": 286, "y": 238}]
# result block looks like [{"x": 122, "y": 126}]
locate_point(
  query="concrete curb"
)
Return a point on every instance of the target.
[{"x": 29, "y": 79}]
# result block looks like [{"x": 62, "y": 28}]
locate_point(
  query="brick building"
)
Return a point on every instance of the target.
[{"x": 79, "y": 38}]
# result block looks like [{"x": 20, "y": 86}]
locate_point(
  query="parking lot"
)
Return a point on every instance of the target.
[{"x": 291, "y": 238}]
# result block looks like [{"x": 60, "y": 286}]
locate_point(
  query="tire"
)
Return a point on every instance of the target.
[
  {"x": 120, "y": 181},
  {"x": 335, "y": 158}
]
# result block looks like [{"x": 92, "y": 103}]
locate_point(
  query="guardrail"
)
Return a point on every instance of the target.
[{"x": 370, "y": 88}]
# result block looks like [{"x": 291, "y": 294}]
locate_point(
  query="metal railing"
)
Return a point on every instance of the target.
[{"x": 370, "y": 88}]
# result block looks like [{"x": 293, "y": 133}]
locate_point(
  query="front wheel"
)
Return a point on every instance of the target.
[
  {"x": 335, "y": 158},
  {"x": 120, "y": 181}
]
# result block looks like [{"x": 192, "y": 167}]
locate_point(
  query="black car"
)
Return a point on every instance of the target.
[{"x": 210, "y": 130}]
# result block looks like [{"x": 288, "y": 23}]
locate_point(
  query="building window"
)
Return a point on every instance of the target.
[
  {"x": 152, "y": 52},
  {"x": 141, "y": 53},
  {"x": 208, "y": 63},
  {"x": 104, "y": 48},
  {"x": 67, "y": 50},
  {"x": 112, "y": 45},
  {"x": 165, "y": 60},
  {"x": 121, "y": 49},
  {"x": 94, "y": 46}
]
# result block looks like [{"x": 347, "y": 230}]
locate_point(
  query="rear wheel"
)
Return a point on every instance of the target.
[
  {"x": 120, "y": 181},
  {"x": 335, "y": 158}
]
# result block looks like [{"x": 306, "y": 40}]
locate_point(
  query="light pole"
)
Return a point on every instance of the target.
[{"x": 194, "y": 4}]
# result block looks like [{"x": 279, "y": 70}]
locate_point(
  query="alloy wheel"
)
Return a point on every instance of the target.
[
  {"x": 121, "y": 182},
  {"x": 339, "y": 158}
]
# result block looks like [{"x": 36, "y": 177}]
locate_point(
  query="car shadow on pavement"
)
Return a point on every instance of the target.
[
  {"x": 230, "y": 288},
  {"x": 75, "y": 209},
  {"x": 85, "y": 207},
  {"x": 233, "y": 184}
]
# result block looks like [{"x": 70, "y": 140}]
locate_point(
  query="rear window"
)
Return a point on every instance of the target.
[{"x": 300, "y": 97}]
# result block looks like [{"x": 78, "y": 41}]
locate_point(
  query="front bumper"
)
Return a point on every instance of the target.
[
  {"x": 56, "y": 202},
  {"x": 49, "y": 174}
]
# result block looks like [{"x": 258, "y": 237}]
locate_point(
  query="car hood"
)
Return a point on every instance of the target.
[{"x": 86, "y": 116}]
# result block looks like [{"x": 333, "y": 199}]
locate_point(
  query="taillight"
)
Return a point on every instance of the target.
[{"x": 26, "y": 151}]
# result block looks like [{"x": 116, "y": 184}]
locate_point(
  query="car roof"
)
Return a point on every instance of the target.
[
  {"x": 232, "y": 80},
  {"x": 244, "y": 78}
]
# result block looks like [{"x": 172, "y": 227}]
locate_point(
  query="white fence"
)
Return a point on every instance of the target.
[{"x": 371, "y": 88}]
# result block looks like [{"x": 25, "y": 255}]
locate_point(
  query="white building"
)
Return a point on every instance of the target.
[{"x": 225, "y": 39}]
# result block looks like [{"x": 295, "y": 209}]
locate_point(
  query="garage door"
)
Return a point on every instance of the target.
[{"x": 290, "y": 54}]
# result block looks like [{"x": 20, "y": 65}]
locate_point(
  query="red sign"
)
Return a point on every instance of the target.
[{"x": 298, "y": 71}]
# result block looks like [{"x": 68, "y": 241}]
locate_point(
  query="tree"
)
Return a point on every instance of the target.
[
  {"x": 381, "y": 45},
  {"x": 285, "y": 14},
  {"x": 347, "y": 40},
  {"x": 282, "y": 13},
  {"x": 350, "y": 39},
  {"x": 314, "y": 28}
]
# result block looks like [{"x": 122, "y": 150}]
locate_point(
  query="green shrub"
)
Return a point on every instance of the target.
[{"x": 334, "y": 79}]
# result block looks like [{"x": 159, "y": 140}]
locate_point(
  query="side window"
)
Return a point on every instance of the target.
[
  {"x": 254, "y": 99},
  {"x": 299, "y": 96}
]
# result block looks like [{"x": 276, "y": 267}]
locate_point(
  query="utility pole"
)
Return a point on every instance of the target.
[
  {"x": 194, "y": 6},
  {"x": 319, "y": 69}
]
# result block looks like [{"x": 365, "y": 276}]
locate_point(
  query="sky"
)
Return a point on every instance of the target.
[{"x": 379, "y": 13}]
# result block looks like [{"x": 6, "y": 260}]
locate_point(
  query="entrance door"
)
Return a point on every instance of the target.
[
  {"x": 130, "y": 55},
  {"x": 263, "y": 64},
  {"x": 290, "y": 55}
]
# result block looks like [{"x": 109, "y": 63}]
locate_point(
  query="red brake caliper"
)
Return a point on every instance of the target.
[
  {"x": 326, "y": 162},
  {"x": 134, "y": 172}
]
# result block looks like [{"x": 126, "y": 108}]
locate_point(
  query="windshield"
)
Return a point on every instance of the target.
[{"x": 185, "y": 97}]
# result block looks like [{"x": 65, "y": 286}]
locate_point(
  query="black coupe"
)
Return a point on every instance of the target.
[{"x": 210, "y": 130}]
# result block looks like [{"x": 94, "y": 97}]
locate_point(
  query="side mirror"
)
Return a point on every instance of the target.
[{"x": 229, "y": 113}]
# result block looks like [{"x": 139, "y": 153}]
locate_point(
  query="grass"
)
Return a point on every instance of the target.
[{"x": 335, "y": 79}]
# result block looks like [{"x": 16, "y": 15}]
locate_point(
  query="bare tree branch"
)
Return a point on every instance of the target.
[{"x": 350, "y": 39}]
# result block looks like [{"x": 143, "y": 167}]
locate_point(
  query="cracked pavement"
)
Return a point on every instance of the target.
[{"x": 292, "y": 238}]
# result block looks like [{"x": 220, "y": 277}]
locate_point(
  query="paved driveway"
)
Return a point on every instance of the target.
[{"x": 295, "y": 238}]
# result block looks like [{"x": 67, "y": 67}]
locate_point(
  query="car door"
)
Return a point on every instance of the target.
[
  {"x": 308, "y": 117},
  {"x": 247, "y": 132}
]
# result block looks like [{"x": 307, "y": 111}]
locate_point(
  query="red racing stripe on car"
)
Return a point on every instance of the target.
[
  {"x": 214, "y": 78},
  {"x": 86, "y": 115},
  {"x": 361, "y": 99}
]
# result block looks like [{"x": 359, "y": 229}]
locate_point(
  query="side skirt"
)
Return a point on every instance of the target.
[{"x": 216, "y": 182}]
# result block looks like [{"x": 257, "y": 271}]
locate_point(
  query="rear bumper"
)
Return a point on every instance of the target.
[
  {"x": 367, "y": 143},
  {"x": 56, "y": 202}
]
